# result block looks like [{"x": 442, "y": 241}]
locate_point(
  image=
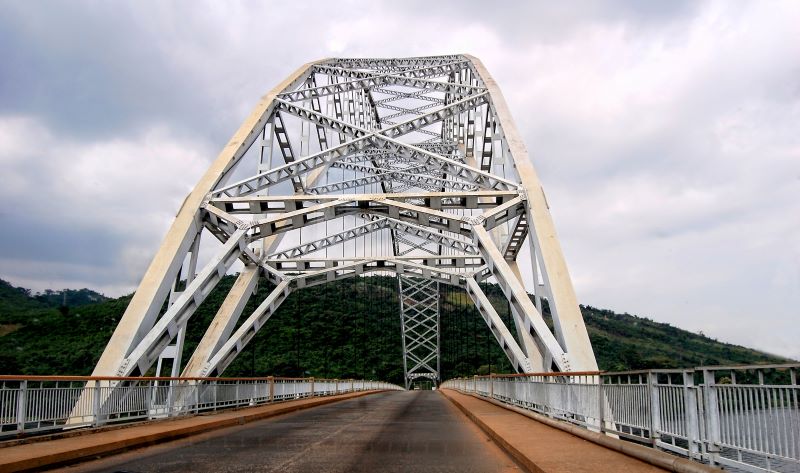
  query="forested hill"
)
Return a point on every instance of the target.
[
  {"x": 17, "y": 299},
  {"x": 345, "y": 329}
]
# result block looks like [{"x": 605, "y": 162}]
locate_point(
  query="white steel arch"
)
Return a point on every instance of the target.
[{"x": 417, "y": 156}]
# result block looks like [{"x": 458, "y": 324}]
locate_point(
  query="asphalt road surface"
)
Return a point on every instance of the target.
[{"x": 408, "y": 431}]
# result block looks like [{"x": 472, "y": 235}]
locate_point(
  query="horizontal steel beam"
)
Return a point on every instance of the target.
[
  {"x": 263, "y": 204},
  {"x": 291, "y": 266}
]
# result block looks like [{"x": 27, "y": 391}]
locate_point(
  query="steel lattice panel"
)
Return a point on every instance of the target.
[{"x": 419, "y": 304}]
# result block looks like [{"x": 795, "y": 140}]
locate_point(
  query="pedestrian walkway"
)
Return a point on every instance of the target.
[{"x": 542, "y": 448}]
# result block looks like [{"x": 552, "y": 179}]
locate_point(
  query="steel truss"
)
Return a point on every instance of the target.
[{"x": 419, "y": 154}]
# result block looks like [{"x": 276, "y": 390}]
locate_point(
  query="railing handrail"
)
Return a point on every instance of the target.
[
  {"x": 6, "y": 377},
  {"x": 772, "y": 366},
  {"x": 524, "y": 375}
]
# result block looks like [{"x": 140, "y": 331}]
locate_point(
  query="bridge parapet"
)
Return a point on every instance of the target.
[
  {"x": 30, "y": 404},
  {"x": 745, "y": 417}
]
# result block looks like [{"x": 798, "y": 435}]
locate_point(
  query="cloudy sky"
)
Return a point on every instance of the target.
[{"x": 667, "y": 134}]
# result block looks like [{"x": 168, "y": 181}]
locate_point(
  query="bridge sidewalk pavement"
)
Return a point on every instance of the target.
[
  {"x": 73, "y": 448},
  {"x": 542, "y": 448}
]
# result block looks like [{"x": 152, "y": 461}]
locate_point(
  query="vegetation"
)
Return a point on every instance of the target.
[{"x": 344, "y": 329}]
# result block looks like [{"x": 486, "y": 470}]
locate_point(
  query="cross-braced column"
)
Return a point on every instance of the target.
[{"x": 419, "y": 304}]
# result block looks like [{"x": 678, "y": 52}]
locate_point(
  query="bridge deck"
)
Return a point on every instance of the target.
[{"x": 389, "y": 431}]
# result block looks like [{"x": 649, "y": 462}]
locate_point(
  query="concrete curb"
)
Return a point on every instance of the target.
[
  {"x": 645, "y": 454},
  {"x": 526, "y": 463},
  {"x": 109, "y": 445}
]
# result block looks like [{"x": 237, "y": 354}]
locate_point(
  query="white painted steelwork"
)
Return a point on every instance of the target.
[
  {"x": 411, "y": 166},
  {"x": 745, "y": 418}
]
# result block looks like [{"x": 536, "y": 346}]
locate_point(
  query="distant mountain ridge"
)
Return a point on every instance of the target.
[
  {"x": 12, "y": 298},
  {"x": 342, "y": 329}
]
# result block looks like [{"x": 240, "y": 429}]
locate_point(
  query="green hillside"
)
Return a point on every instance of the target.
[{"x": 344, "y": 329}]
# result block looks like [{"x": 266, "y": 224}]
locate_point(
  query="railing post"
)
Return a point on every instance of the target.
[
  {"x": 22, "y": 405},
  {"x": 312, "y": 387},
  {"x": 216, "y": 387},
  {"x": 336, "y": 386},
  {"x": 491, "y": 385},
  {"x": 352, "y": 385},
  {"x": 150, "y": 396},
  {"x": 170, "y": 401},
  {"x": 271, "y": 381},
  {"x": 196, "y": 396},
  {"x": 712, "y": 426},
  {"x": 655, "y": 408},
  {"x": 601, "y": 404},
  {"x": 96, "y": 403},
  {"x": 691, "y": 413}
]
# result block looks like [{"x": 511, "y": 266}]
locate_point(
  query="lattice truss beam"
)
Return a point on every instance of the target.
[{"x": 353, "y": 167}]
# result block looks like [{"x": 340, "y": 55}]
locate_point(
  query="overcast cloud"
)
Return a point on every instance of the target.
[{"x": 667, "y": 134}]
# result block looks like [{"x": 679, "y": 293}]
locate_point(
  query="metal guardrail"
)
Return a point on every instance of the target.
[
  {"x": 44, "y": 403},
  {"x": 745, "y": 418}
]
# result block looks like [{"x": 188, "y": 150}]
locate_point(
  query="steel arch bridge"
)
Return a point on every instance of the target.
[{"x": 422, "y": 155}]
